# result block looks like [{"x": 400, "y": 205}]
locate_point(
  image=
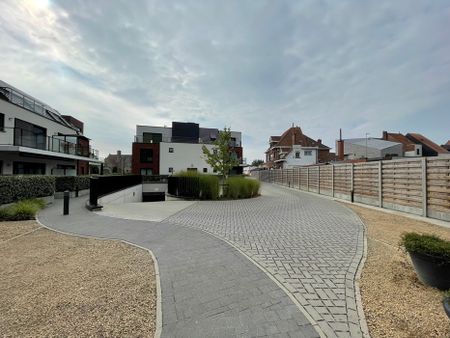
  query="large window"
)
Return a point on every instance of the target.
[
  {"x": 308, "y": 152},
  {"x": 2, "y": 122},
  {"x": 28, "y": 168},
  {"x": 146, "y": 155},
  {"x": 146, "y": 172},
  {"x": 29, "y": 135}
]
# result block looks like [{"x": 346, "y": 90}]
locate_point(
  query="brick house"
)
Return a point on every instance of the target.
[{"x": 293, "y": 148}]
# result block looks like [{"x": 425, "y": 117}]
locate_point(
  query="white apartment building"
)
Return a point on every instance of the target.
[{"x": 37, "y": 139}]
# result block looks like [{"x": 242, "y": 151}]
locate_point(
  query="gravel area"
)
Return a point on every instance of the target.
[
  {"x": 396, "y": 303},
  {"x": 58, "y": 285}
]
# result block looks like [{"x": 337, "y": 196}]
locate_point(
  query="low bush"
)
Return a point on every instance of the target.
[
  {"x": 21, "y": 210},
  {"x": 241, "y": 187},
  {"x": 208, "y": 185},
  {"x": 16, "y": 188},
  {"x": 71, "y": 183},
  {"x": 430, "y": 245}
]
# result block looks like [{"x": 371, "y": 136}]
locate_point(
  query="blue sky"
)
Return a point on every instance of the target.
[{"x": 257, "y": 66}]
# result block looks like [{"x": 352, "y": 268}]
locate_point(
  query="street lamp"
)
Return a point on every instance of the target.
[{"x": 367, "y": 134}]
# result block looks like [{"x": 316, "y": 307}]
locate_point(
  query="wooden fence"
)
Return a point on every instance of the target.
[{"x": 419, "y": 186}]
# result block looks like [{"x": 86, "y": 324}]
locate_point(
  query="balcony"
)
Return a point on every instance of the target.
[{"x": 26, "y": 138}]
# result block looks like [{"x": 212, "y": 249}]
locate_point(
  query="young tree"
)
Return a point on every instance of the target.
[
  {"x": 257, "y": 163},
  {"x": 222, "y": 158}
]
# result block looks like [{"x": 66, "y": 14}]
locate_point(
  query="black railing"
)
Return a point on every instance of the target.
[
  {"x": 25, "y": 138},
  {"x": 179, "y": 139},
  {"x": 104, "y": 185},
  {"x": 154, "y": 178}
]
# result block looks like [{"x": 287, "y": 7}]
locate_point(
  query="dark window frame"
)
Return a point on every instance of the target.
[
  {"x": 170, "y": 150},
  {"x": 146, "y": 158},
  {"x": 2, "y": 122}
]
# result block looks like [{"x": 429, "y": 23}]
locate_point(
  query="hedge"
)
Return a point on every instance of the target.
[
  {"x": 208, "y": 185},
  {"x": 16, "y": 188},
  {"x": 71, "y": 183},
  {"x": 430, "y": 245}
]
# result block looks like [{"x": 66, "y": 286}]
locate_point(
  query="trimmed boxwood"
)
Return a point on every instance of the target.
[
  {"x": 71, "y": 183},
  {"x": 429, "y": 245},
  {"x": 16, "y": 188}
]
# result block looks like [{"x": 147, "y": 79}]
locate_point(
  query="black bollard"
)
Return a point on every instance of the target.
[{"x": 66, "y": 202}]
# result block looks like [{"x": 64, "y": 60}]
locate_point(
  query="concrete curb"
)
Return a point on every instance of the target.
[{"x": 155, "y": 262}]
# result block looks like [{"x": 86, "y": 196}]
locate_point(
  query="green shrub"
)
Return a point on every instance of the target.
[
  {"x": 427, "y": 245},
  {"x": 71, "y": 183},
  {"x": 21, "y": 210},
  {"x": 240, "y": 187},
  {"x": 16, "y": 188},
  {"x": 209, "y": 187}
]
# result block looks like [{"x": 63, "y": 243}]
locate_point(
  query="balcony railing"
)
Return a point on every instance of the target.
[
  {"x": 142, "y": 139},
  {"x": 25, "y": 138}
]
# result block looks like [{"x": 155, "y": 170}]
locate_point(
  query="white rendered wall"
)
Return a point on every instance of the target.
[
  {"x": 129, "y": 195},
  {"x": 184, "y": 156},
  {"x": 292, "y": 161}
]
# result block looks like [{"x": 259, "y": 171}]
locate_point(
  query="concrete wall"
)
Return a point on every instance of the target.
[
  {"x": 184, "y": 156},
  {"x": 154, "y": 187},
  {"x": 129, "y": 195}
]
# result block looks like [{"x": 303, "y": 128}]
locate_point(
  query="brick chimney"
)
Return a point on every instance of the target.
[
  {"x": 319, "y": 141},
  {"x": 119, "y": 153},
  {"x": 340, "y": 147},
  {"x": 385, "y": 135}
]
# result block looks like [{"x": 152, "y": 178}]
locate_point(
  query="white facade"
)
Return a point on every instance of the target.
[
  {"x": 182, "y": 157},
  {"x": 300, "y": 156},
  {"x": 417, "y": 152},
  {"x": 15, "y": 150}
]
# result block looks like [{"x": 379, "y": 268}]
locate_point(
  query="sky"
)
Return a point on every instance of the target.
[{"x": 255, "y": 66}]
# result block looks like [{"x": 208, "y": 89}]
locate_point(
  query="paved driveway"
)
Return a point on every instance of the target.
[{"x": 309, "y": 245}]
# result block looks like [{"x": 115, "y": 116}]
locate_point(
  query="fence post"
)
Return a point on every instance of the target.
[
  {"x": 332, "y": 180},
  {"x": 352, "y": 185},
  {"x": 424, "y": 187},
  {"x": 307, "y": 178},
  {"x": 380, "y": 184},
  {"x": 318, "y": 179}
]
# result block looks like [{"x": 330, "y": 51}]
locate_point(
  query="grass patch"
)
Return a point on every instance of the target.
[{"x": 21, "y": 210}]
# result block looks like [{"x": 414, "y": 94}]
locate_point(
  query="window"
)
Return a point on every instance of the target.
[
  {"x": 151, "y": 138},
  {"x": 215, "y": 151},
  {"x": 29, "y": 135},
  {"x": 146, "y": 155},
  {"x": 170, "y": 170},
  {"x": 418, "y": 151},
  {"x": 170, "y": 150},
  {"x": 2, "y": 122},
  {"x": 297, "y": 154},
  {"x": 214, "y": 170},
  {"x": 27, "y": 168},
  {"x": 205, "y": 170},
  {"x": 308, "y": 152},
  {"x": 146, "y": 172}
]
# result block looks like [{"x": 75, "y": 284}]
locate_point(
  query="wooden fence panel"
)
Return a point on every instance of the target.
[
  {"x": 438, "y": 185},
  {"x": 342, "y": 179},
  {"x": 402, "y": 183},
  {"x": 365, "y": 176},
  {"x": 326, "y": 180},
  {"x": 314, "y": 179},
  {"x": 303, "y": 179}
]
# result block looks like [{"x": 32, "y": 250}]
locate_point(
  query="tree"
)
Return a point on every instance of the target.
[
  {"x": 257, "y": 163},
  {"x": 222, "y": 158}
]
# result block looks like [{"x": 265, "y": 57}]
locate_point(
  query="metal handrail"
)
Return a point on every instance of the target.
[
  {"x": 177, "y": 139},
  {"x": 51, "y": 143}
]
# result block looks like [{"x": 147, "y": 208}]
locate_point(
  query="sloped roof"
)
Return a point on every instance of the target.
[
  {"x": 295, "y": 134},
  {"x": 427, "y": 142},
  {"x": 408, "y": 145},
  {"x": 374, "y": 143}
]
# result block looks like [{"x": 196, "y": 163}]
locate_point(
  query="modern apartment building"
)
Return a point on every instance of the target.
[
  {"x": 36, "y": 139},
  {"x": 166, "y": 150}
]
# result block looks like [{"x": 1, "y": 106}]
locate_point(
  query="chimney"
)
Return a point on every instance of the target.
[
  {"x": 319, "y": 141},
  {"x": 119, "y": 153},
  {"x": 385, "y": 135},
  {"x": 340, "y": 147}
]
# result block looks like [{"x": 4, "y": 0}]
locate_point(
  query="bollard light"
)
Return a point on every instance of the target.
[{"x": 66, "y": 202}]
